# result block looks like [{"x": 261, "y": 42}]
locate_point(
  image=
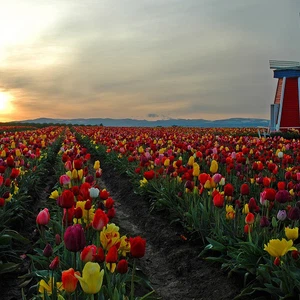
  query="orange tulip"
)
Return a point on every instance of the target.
[{"x": 69, "y": 280}]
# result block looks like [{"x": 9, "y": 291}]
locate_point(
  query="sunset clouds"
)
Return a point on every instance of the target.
[{"x": 144, "y": 59}]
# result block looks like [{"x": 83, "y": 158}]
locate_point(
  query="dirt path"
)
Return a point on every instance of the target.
[{"x": 171, "y": 264}]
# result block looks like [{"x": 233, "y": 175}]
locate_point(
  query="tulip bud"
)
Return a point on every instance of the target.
[
  {"x": 295, "y": 254},
  {"x": 264, "y": 222},
  {"x": 277, "y": 261},
  {"x": 57, "y": 239},
  {"x": 54, "y": 264},
  {"x": 48, "y": 251}
]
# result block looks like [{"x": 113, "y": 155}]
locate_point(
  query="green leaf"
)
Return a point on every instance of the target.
[
  {"x": 216, "y": 245},
  {"x": 8, "y": 267}
]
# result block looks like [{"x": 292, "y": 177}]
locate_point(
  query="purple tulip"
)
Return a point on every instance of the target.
[
  {"x": 74, "y": 238},
  {"x": 281, "y": 215}
]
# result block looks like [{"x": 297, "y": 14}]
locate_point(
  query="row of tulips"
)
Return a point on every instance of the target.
[
  {"x": 81, "y": 253},
  {"x": 25, "y": 158},
  {"x": 238, "y": 193}
]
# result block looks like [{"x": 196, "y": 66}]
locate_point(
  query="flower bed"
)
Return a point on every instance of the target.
[{"x": 238, "y": 194}]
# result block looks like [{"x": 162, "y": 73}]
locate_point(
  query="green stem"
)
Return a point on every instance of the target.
[
  {"x": 132, "y": 280},
  {"x": 249, "y": 233},
  {"x": 107, "y": 274},
  {"x": 75, "y": 268},
  {"x": 66, "y": 218},
  {"x": 52, "y": 285}
]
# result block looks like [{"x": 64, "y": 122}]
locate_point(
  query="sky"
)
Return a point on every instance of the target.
[{"x": 143, "y": 59}]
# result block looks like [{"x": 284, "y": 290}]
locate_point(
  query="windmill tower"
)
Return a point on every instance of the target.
[{"x": 285, "y": 112}]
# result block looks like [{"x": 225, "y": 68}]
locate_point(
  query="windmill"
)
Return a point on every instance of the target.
[{"x": 285, "y": 112}]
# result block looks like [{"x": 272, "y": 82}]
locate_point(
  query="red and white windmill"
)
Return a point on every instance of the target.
[{"x": 285, "y": 112}]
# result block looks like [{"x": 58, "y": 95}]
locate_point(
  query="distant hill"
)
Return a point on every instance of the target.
[{"x": 233, "y": 122}]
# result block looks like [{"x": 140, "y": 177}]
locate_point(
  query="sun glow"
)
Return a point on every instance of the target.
[{"x": 5, "y": 103}]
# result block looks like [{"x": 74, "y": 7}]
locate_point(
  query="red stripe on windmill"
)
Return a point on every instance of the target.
[{"x": 285, "y": 112}]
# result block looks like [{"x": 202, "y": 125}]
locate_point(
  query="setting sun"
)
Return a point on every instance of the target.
[
  {"x": 5, "y": 103},
  {"x": 4, "y": 99}
]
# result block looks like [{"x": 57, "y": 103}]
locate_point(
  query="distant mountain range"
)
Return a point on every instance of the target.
[{"x": 233, "y": 122}]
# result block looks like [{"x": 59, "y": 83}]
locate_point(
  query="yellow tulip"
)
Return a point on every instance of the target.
[
  {"x": 143, "y": 182},
  {"x": 230, "y": 212},
  {"x": 124, "y": 247},
  {"x": 74, "y": 174},
  {"x": 167, "y": 162},
  {"x": 246, "y": 209},
  {"x": 92, "y": 277},
  {"x": 47, "y": 287},
  {"x": 109, "y": 236},
  {"x": 54, "y": 195},
  {"x": 141, "y": 149},
  {"x": 292, "y": 233},
  {"x": 214, "y": 166},
  {"x": 196, "y": 169},
  {"x": 278, "y": 248},
  {"x": 97, "y": 165},
  {"x": 18, "y": 152},
  {"x": 207, "y": 184},
  {"x": 80, "y": 174},
  {"x": 191, "y": 161}
]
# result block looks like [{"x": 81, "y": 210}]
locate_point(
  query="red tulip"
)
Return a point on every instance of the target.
[
  {"x": 111, "y": 213},
  {"x": 228, "y": 189},
  {"x": 245, "y": 189},
  {"x": 14, "y": 173},
  {"x": 100, "y": 220},
  {"x": 122, "y": 266},
  {"x": 137, "y": 247},
  {"x": 112, "y": 255},
  {"x": 218, "y": 200},
  {"x": 88, "y": 253},
  {"x": 99, "y": 256},
  {"x": 149, "y": 174},
  {"x": 250, "y": 218},
  {"x": 67, "y": 199},
  {"x": 104, "y": 194},
  {"x": 109, "y": 203},
  {"x": 78, "y": 164},
  {"x": 270, "y": 194}
]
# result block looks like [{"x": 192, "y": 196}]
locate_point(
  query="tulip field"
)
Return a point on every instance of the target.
[{"x": 234, "y": 199}]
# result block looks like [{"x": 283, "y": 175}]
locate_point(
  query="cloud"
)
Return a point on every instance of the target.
[{"x": 191, "y": 59}]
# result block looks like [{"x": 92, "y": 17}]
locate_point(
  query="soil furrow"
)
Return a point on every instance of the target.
[{"x": 171, "y": 264}]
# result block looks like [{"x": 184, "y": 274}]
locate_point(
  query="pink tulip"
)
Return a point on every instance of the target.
[{"x": 43, "y": 217}]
